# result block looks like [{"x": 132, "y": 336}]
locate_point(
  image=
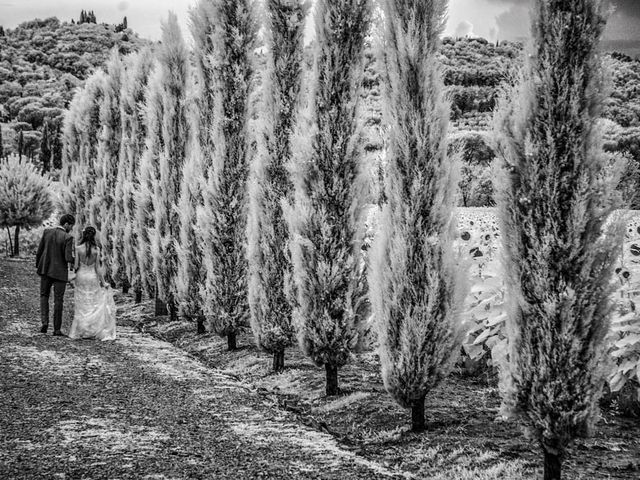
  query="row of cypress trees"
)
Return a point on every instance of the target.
[{"x": 230, "y": 219}]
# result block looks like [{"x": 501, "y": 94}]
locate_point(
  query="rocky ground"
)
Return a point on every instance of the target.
[{"x": 162, "y": 402}]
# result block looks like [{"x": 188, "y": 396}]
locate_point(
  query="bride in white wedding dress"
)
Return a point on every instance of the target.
[{"x": 95, "y": 309}]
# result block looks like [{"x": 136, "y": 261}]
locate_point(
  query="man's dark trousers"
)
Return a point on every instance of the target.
[{"x": 59, "y": 287}]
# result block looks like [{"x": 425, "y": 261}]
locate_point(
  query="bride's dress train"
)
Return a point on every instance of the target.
[{"x": 95, "y": 309}]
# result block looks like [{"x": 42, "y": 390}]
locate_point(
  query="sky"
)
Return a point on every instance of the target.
[{"x": 491, "y": 19}]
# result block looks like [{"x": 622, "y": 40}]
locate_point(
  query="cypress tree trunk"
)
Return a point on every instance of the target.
[
  {"x": 331, "y": 379},
  {"x": 10, "y": 242},
  {"x": 125, "y": 286},
  {"x": 417, "y": 415},
  {"x": 173, "y": 311},
  {"x": 231, "y": 341},
  {"x": 201, "y": 328},
  {"x": 16, "y": 242},
  {"x": 161, "y": 307},
  {"x": 552, "y": 466},
  {"x": 138, "y": 296},
  {"x": 278, "y": 361}
]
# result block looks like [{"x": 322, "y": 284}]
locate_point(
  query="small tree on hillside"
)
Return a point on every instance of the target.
[
  {"x": 559, "y": 242},
  {"x": 223, "y": 219},
  {"x": 414, "y": 286},
  {"x": 25, "y": 198},
  {"x": 327, "y": 219},
  {"x": 173, "y": 67},
  {"x": 270, "y": 266},
  {"x": 132, "y": 145},
  {"x": 102, "y": 215},
  {"x": 191, "y": 273}
]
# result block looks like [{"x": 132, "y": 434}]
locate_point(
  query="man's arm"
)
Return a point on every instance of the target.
[
  {"x": 40, "y": 250},
  {"x": 68, "y": 250}
]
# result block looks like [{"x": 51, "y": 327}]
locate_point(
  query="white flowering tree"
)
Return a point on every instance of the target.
[
  {"x": 560, "y": 248},
  {"x": 270, "y": 269},
  {"x": 415, "y": 288},
  {"x": 327, "y": 216}
]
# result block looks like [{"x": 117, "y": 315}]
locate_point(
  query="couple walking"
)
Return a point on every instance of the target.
[{"x": 94, "y": 312}]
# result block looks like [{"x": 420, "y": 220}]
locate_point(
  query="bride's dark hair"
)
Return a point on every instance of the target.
[{"x": 89, "y": 239}]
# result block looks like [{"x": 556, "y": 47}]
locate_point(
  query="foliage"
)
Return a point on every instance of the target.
[
  {"x": 559, "y": 251},
  {"x": 102, "y": 204},
  {"x": 171, "y": 153},
  {"x": 270, "y": 269},
  {"x": 191, "y": 273},
  {"x": 415, "y": 282},
  {"x": 223, "y": 219},
  {"x": 326, "y": 219},
  {"x": 25, "y": 196},
  {"x": 42, "y": 62}
]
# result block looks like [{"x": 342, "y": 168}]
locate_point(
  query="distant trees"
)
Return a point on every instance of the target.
[
  {"x": 415, "y": 286},
  {"x": 25, "y": 198},
  {"x": 326, "y": 220},
  {"x": 45, "y": 151},
  {"x": 559, "y": 241},
  {"x": 223, "y": 218},
  {"x": 87, "y": 17},
  {"x": 270, "y": 269}
]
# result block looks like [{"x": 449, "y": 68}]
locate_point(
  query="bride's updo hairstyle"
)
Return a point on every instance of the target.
[{"x": 89, "y": 239}]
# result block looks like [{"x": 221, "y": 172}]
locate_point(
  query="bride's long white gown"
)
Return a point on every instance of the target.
[{"x": 95, "y": 309}]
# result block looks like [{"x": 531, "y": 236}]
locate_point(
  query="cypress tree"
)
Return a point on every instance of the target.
[
  {"x": 559, "y": 244},
  {"x": 414, "y": 289},
  {"x": 104, "y": 201},
  {"x": 191, "y": 272},
  {"x": 270, "y": 266},
  {"x": 80, "y": 143},
  {"x": 1, "y": 144},
  {"x": 20, "y": 144},
  {"x": 45, "y": 150},
  {"x": 56, "y": 149},
  {"x": 138, "y": 69},
  {"x": 173, "y": 65},
  {"x": 327, "y": 218},
  {"x": 149, "y": 184},
  {"x": 224, "y": 217}
]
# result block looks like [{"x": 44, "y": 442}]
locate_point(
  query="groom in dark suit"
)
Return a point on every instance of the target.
[{"x": 54, "y": 256}]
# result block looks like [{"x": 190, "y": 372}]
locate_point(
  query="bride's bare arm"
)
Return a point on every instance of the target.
[{"x": 99, "y": 270}]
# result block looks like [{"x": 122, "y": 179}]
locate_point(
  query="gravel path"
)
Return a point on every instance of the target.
[{"x": 138, "y": 408}]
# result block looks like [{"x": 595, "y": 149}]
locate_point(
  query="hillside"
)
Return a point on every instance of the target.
[{"x": 41, "y": 64}]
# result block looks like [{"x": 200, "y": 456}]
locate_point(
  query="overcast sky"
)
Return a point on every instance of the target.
[{"x": 492, "y": 19}]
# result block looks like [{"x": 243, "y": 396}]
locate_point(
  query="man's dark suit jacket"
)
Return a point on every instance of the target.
[{"x": 54, "y": 254}]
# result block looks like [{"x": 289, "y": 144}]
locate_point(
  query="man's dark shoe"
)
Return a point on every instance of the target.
[
  {"x": 58, "y": 333},
  {"x": 44, "y": 329}
]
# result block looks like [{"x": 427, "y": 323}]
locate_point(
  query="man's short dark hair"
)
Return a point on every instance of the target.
[{"x": 70, "y": 219}]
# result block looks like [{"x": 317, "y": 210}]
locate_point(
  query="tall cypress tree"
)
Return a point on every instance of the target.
[
  {"x": 224, "y": 217},
  {"x": 132, "y": 145},
  {"x": 45, "y": 150},
  {"x": 1, "y": 144},
  {"x": 327, "y": 219},
  {"x": 173, "y": 64},
  {"x": 56, "y": 149},
  {"x": 414, "y": 289},
  {"x": 80, "y": 144},
  {"x": 104, "y": 201},
  {"x": 560, "y": 247},
  {"x": 20, "y": 144},
  {"x": 191, "y": 273},
  {"x": 270, "y": 266}
]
